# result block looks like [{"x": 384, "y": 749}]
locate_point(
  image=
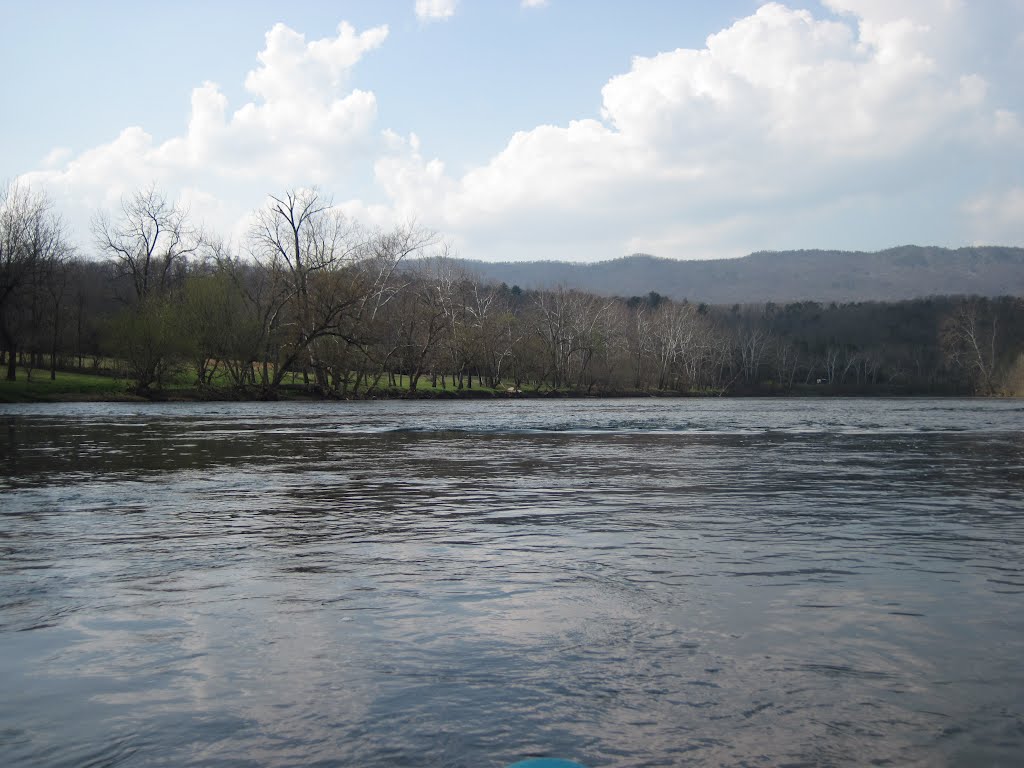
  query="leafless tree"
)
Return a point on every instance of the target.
[
  {"x": 33, "y": 246},
  {"x": 640, "y": 335},
  {"x": 149, "y": 242},
  {"x": 969, "y": 338},
  {"x": 420, "y": 318},
  {"x": 787, "y": 362},
  {"x": 332, "y": 280},
  {"x": 677, "y": 340},
  {"x": 367, "y": 338},
  {"x": 568, "y": 325},
  {"x": 754, "y": 338},
  {"x": 304, "y": 240}
]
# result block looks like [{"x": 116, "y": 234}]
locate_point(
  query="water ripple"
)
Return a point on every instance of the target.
[{"x": 625, "y": 583}]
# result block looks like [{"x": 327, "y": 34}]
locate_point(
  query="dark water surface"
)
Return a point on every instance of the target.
[{"x": 626, "y": 583}]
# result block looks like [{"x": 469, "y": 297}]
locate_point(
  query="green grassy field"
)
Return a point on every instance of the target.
[
  {"x": 70, "y": 386},
  {"x": 67, "y": 386},
  {"x": 78, "y": 386}
]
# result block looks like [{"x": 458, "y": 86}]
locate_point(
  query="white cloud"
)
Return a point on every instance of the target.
[
  {"x": 300, "y": 127},
  {"x": 783, "y": 130},
  {"x": 293, "y": 70},
  {"x": 435, "y": 9},
  {"x": 533, "y": 3},
  {"x": 56, "y": 156},
  {"x": 712, "y": 147},
  {"x": 299, "y": 122}
]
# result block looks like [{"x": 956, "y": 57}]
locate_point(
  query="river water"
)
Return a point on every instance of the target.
[{"x": 621, "y": 582}]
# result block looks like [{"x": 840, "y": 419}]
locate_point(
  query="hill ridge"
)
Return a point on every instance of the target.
[{"x": 811, "y": 274}]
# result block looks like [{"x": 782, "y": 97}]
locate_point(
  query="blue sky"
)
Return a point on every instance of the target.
[{"x": 559, "y": 129}]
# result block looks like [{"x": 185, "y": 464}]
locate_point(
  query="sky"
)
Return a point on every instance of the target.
[{"x": 579, "y": 130}]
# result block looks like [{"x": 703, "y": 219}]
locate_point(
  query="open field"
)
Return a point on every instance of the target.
[
  {"x": 67, "y": 386},
  {"x": 71, "y": 386}
]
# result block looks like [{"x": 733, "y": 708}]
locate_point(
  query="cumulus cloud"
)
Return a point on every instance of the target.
[
  {"x": 301, "y": 126},
  {"x": 56, "y": 157},
  {"x": 703, "y": 152},
  {"x": 435, "y": 9},
  {"x": 782, "y": 79},
  {"x": 878, "y": 122}
]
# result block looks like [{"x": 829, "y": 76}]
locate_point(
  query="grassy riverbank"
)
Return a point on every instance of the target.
[
  {"x": 81, "y": 387},
  {"x": 66, "y": 386}
]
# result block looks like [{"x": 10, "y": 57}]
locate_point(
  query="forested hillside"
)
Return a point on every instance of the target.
[
  {"x": 311, "y": 300},
  {"x": 907, "y": 272}
]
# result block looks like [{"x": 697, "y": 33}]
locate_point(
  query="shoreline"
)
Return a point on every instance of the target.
[{"x": 301, "y": 394}]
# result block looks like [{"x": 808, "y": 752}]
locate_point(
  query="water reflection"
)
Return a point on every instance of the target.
[{"x": 625, "y": 583}]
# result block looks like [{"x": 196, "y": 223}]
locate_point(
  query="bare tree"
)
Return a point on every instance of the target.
[
  {"x": 640, "y": 338},
  {"x": 420, "y": 319},
  {"x": 334, "y": 280},
  {"x": 677, "y": 337},
  {"x": 149, "y": 241},
  {"x": 754, "y": 338},
  {"x": 33, "y": 246},
  {"x": 303, "y": 238},
  {"x": 969, "y": 340},
  {"x": 495, "y": 328},
  {"x": 568, "y": 325},
  {"x": 786, "y": 361}
]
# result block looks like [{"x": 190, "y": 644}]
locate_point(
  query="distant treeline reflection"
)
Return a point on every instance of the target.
[{"x": 310, "y": 298}]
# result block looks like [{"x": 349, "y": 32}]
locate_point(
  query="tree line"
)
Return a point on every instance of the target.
[{"x": 311, "y": 299}]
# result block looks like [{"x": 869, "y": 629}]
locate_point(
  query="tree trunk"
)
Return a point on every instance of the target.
[{"x": 12, "y": 361}]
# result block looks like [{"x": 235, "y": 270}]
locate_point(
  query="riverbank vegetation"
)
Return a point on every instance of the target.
[{"x": 309, "y": 304}]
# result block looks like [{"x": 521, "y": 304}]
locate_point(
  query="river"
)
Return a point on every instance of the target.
[{"x": 654, "y": 582}]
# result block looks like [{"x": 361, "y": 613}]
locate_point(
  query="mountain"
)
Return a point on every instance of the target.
[{"x": 905, "y": 272}]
